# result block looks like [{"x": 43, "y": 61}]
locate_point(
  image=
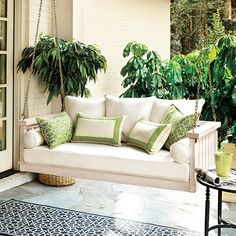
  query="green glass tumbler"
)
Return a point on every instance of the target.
[{"x": 223, "y": 163}]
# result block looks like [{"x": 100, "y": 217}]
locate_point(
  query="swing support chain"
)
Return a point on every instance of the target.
[
  {"x": 26, "y": 100},
  {"x": 23, "y": 115},
  {"x": 59, "y": 59},
  {"x": 203, "y": 39}
]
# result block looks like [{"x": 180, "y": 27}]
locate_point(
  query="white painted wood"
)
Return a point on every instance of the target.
[
  {"x": 200, "y": 156},
  {"x": 6, "y": 155},
  {"x": 204, "y": 128},
  {"x": 105, "y": 176}
]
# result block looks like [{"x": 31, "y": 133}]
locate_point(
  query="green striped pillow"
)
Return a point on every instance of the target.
[
  {"x": 181, "y": 124},
  {"x": 149, "y": 136},
  {"x": 106, "y": 130}
]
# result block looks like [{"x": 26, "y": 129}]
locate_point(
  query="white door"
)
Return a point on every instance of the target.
[{"x": 6, "y": 83}]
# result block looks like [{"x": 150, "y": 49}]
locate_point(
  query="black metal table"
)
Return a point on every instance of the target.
[{"x": 224, "y": 187}]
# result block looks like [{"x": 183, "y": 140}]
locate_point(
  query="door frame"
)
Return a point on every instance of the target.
[
  {"x": 21, "y": 33},
  {"x": 7, "y": 154}
]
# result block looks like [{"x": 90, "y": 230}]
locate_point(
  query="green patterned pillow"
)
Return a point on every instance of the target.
[
  {"x": 106, "y": 130},
  {"x": 149, "y": 136},
  {"x": 56, "y": 130},
  {"x": 181, "y": 124}
]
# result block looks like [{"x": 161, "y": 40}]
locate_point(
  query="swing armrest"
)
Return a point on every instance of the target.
[
  {"x": 31, "y": 123},
  {"x": 203, "y": 129}
]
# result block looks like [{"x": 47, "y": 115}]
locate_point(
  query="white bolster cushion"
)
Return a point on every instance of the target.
[
  {"x": 33, "y": 138},
  {"x": 180, "y": 151}
]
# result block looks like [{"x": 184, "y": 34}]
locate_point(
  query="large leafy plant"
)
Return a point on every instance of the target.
[
  {"x": 142, "y": 73},
  {"x": 222, "y": 60},
  {"x": 179, "y": 78},
  {"x": 80, "y": 64},
  {"x": 145, "y": 75}
]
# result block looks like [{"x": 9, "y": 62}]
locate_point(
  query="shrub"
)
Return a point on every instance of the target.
[{"x": 179, "y": 77}]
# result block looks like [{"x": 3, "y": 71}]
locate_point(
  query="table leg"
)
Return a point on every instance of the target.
[
  {"x": 207, "y": 209},
  {"x": 219, "y": 210}
]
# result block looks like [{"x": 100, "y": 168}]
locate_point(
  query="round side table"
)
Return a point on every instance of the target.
[{"x": 223, "y": 187}]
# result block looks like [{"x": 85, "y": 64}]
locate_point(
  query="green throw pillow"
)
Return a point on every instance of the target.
[
  {"x": 106, "y": 130},
  {"x": 56, "y": 130},
  {"x": 181, "y": 124},
  {"x": 149, "y": 136}
]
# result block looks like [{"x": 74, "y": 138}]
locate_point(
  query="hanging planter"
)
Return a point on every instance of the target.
[{"x": 80, "y": 64}]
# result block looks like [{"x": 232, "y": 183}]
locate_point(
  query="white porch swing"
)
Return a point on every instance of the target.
[{"x": 203, "y": 145}]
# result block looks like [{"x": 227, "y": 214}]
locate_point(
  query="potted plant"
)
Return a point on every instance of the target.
[{"x": 80, "y": 64}]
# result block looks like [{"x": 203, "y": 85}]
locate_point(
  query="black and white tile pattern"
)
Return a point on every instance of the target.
[{"x": 28, "y": 219}]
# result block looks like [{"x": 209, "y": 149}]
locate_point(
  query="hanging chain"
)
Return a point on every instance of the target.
[
  {"x": 59, "y": 58},
  {"x": 199, "y": 77},
  {"x": 198, "y": 89},
  {"x": 211, "y": 92},
  {"x": 210, "y": 81},
  {"x": 23, "y": 115}
]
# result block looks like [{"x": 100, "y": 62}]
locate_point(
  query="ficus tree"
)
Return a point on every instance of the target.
[{"x": 80, "y": 64}]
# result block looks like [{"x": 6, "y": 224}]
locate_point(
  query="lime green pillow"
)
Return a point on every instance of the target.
[
  {"x": 149, "y": 136},
  {"x": 106, "y": 130},
  {"x": 56, "y": 130},
  {"x": 181, "y": 124}
]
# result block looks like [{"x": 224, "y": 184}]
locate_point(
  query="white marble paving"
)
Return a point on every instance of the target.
[{"x": 158, "y": 206}]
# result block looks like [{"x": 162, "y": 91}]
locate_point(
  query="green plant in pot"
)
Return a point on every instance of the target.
[{"x": 80, "y": 64}]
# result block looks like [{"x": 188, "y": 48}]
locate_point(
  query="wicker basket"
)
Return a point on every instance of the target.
[{"x": 54, "y": 180}]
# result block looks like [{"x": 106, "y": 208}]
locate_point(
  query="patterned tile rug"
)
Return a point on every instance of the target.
[{"x": 23, "y": 218}]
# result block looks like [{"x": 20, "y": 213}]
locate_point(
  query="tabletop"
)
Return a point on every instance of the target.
[{"x": 227, "y": 184}]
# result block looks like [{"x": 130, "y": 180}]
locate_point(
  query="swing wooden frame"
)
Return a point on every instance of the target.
[
  {"x": 201, "y": 155},
  {"x": 203, "y": 145}
]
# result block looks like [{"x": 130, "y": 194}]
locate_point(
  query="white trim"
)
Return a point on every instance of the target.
[
  {"x": 3, "y": 19},
  {"x": 21, "y": 33},
  {"x": 6, "y": 155}
]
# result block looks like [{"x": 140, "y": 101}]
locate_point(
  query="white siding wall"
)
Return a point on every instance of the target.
[
  {"x": 109, "y": 24},
  {"x": 112, "y": 24},
  {"x": 38, "y": 98}
]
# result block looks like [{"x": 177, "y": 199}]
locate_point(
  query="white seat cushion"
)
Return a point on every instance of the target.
[
  {"x": 160, "y": 107},
  {"x": 88, "y": 106},
  {"x": 120, "y": 160},
  {"x": 133, "y": 108}
]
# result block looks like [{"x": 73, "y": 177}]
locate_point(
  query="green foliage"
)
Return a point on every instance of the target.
[
  {"x": 217, "y": 29},
  {"x": 232, "y": 136},
  {"x": 142, "y": 73},
  {"x": 190, "y": 19},
  {"x": 80, "y": 64},
  {"x": 179, "y": 78}
]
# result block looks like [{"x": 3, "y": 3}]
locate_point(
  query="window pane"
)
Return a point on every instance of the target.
[
  {"x": 2, "y": 102},
  {"x": 3, "y": 8},
  {"x": 3, "y": 69},
  {"x": 2, "y": 135},
  {"x": 3, "y": 35}
]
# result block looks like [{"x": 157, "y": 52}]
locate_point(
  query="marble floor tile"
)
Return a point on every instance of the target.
[{"x": 152, "y": 205}]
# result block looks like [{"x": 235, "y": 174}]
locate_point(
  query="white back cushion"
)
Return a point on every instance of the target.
[
  {"x": 160, "y": 107},
  {"x": 88, "y": 106},
  {"x": 133, "y": 108}
]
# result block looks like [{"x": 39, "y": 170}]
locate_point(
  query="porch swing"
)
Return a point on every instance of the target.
[{"x": 202, "y": 145}]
